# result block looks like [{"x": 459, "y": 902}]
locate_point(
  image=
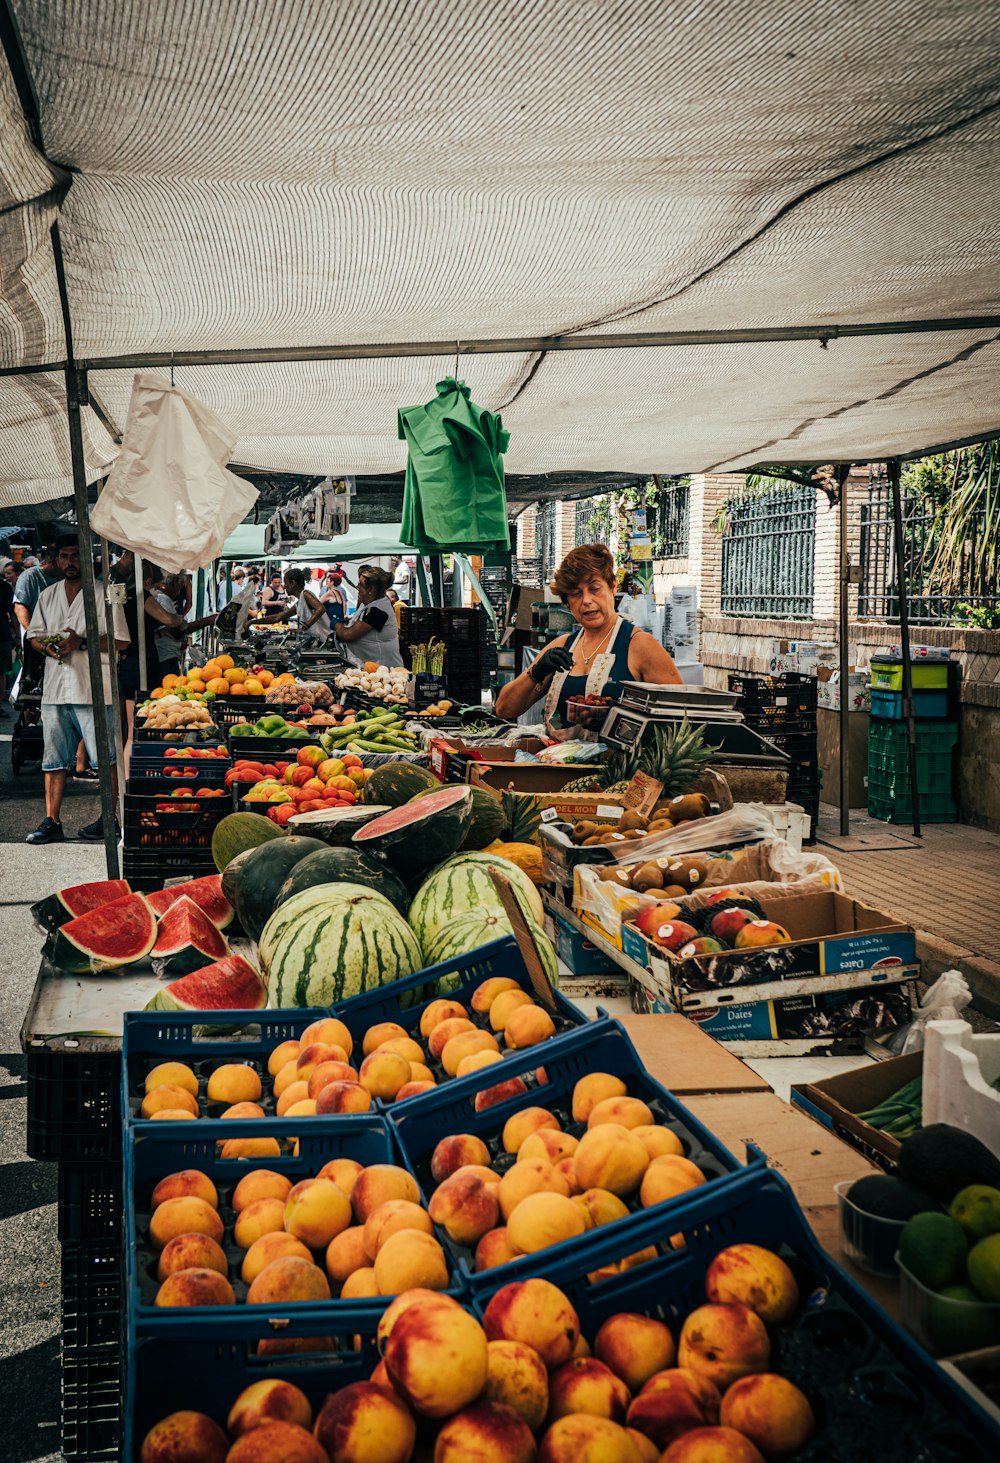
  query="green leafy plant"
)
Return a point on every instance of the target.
[{"x": 967, "y": 520}]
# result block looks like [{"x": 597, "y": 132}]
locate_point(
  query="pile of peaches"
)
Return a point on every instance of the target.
[
  {"x": 726, "y": 920},
  {"x": 350, "y": 1231},
  {"x": 524, "y": 1385}
]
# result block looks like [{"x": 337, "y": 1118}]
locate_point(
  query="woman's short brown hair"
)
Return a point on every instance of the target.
[
  {"x": 589, "y": 561},
  {"x": 377, "y": 578}
]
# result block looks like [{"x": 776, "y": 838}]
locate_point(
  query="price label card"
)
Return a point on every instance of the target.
[
  {"x": 608, "y": 810},
  {"x": 642, "y": 794}
]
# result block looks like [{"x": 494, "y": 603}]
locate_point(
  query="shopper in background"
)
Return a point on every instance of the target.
[
  {"x": 372, "y": 633},
  {"x": 273, "y": 596},
  {"x": 10, "y": 633},
  {"x": 397, "y": 605},
  {"x": 238, "y": 584},
  {"x": 402, "y": 579},
  {"x": 334, "y": 598},
  {"x": 310, "y": 612},
  {"x": 32, "y": 580}
]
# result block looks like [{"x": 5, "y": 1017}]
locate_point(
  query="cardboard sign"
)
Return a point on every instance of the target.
[
  {"x": 642, "y": 794},
  {"x": 525, "y": 939}
]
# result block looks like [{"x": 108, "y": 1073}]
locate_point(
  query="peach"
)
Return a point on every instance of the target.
[
  {"x": 444, "y": 1031},
  {"x": 379, "y": 1182},
  {"x": 304, "y": 1108},
  {"x": 177, "y": 1099},
  {"x": 343, "y": 1171},
  {"x": 566, "y": 1167},
  {"x": 191, "y": 1252},
  {"x": 314, "y": 1055},
  {"x": 289, "y": 1073},
  {"x": 330, "y": 1032},
  {"x": 485, "y": 1430},
  {"x": 172, "y": 1115},
  {"x": 263, "y": 1216},
  {"x": 185, "y": 1437},
  {"x": 402, "y": 1303},
  {"x": 582, "y": 1347},
  {"x": 490, "y": 1096},
  {"x": 325, "y": 1073},
  {"x": 466, "y": 1044},
  {"x": 438, "y": 1011},
  {"x": 315, "y": 1211},
  {"x": 628, "y": 1112},
  {"x": 388, "y": 1219},
  {"x": 673, "y": 1402},
  {"x": 380, "y": 1032},
  {"x": 410, "y": 1259},
  {"x": 404, "y": 1046},
  {"x": 274, "y": 1246},
  {"x": 270, "y": 1400},
  {"x": 724, "y": 1342},
  {"x": 465, "y": 1207},
  {"x": 643, "y": 1257},
  {"x": 476, "y": 1061},
  {"x": 243, "y": 1110},
  {"x": 635, "y": 1347},
  {"x": 277, "y": 1442},
  {"x": 587, "y": 1385},
  {"x": 504, "y": 1006},
  {"x": 541, "y": 1220},
  {"x": 436, "y": 1357},
  {"x": 195, "y": 1287},
  {"x": 364, "y": 1421},
  {"x": 234, "y": 1082},
  {"x": 520, "y": 1124},
  {"x": 549, "y": 1144},
  {"x": 172, "y": 1074},
  {"x": 488, "y": 1175},
  {"x": 659, "y": 1141},
  {"x": 251, "y": 1148},
  {"x": 648, "y": 1451},
  {"x": 771, "y": 1412},
  {"x": 600, "y": 1206},
  {"x": 591, "y": 1090},
  {"x": 494, "y": 1249},
  {"x": 343, "y": 1097},
  {"x": 667, "y": 1177},
  {"x": 420, "y": 1072},
  {"x": 712, "y": 1445},
  {"x": 581, "y": 1438},
  {"x": 380, "y": 1378},
  {"x": 414, "y": 1089},
  {"x": 346, "y": 1253},
  {"x": 528, "y": 1026},
  {"x": 183, "y": 1216},
  {"x": 288, "y": 1279},
  {"x": 384, "y": 1073},
  {"x": 360, "y": 1285},
  {"x": 533, "y": 1176},
  {"x": 610, "y": 1157},
  {"x": 752, "y": 1276},
  {"x": 189, "y": 1183},
  {"x": 516, "y": 1378},
  {"x": 286, "y": 1052},
  {"x": 294, "y": 1093},
  {"x": 536, "y": 1312},
  {"x": 485, "y": 994},
  {"x": 454, "y": 1152}
]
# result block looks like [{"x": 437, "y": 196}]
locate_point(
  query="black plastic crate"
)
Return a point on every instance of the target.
[
  {"x": 799, "y": 746},
  {"x": 74, "y": 1105},
  {"x": 789, "y": 689},
  {"x": 149, "y": 762},
  {"x": 91, "y": 1405},
  {"x": 188, "y": 824},
  {"x": 90, "y": 1202},
  {"x": 231, "y": 710},
  {"x": 461, "y": 627},
  {"x": 418, "y": 623},
  {"x": 91, "y": 1304},
  {"x": 150, "y": 869},
  {"x": 191, "y": 738}
]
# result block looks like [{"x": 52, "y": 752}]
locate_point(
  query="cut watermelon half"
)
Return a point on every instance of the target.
[
  {"x": 422, "y": 832},
  {"x": 66, "y": 904},
  {"x": 186, "y": 939},
  {"x": 230, "y": 984},
  {"x": 206, "y": 893},
  {"x": 118, "y": 933}
]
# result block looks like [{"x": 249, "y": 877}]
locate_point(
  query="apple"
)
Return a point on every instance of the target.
[{"x": 672, "y": 934}]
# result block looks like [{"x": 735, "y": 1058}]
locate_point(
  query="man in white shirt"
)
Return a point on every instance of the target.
[{"x": 58, "y": 631}]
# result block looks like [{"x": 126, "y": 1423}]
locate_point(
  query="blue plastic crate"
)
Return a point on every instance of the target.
[
  {"x": 204, "y": 1040},
  {"x": 168, "y": 1147},
  {"x": 860, "y": 1370},
  {"x": 931, "y": 705},
  {"x": 603, "y": 1046}
]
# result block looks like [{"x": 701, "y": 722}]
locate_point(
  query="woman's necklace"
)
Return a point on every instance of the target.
[{"x": 586, "y": 659}]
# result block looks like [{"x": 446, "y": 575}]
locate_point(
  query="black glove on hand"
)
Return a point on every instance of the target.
[{"x": 556, "y": 658}]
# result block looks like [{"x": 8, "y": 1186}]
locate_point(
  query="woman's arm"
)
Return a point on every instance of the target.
[
  {"x": 318, "y": 608},
  {"x": 649, "y": 662},
  {"x": 523, "y": 691}
]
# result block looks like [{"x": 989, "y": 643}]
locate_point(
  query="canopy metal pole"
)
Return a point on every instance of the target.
[
  {"x": 140, "y": 621},
  {"x": 116, "y": 701},
  {"x": 904, "y": 638},
  {"x": 842, "y": 473}
]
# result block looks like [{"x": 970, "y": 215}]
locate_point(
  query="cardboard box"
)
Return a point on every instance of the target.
[
  {"x": 860, "y": 694},
  {"x": 836, "y": 1101},
  {"x": 537, "y": 780},
  {"x": 686, "y": 1059},
  {"x": 577, "y": 952},
  {"x": 450, "y": 756}
]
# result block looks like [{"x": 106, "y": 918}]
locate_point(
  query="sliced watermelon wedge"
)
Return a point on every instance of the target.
[
  {"x": 66, "y": 904},
  {"x": 230, "y": 984},
  {"x": 186, "y": 939},
  {"x": 206, "y": 893},
  {"x": 118, "y": 933},
  {"x": 422, "y": 832}
]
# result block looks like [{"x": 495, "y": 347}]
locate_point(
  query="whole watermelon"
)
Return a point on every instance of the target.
[
  {"x": 262, "y": 874},
  {"x": 479, "y": 927},
  {"x": 239, "y": 832},
  {"x": 347, "y": 940},
  {"x": 344, "y": 865},
  {"x": 488, "y": 820},
  {"x": 462, "y": 883},
  {"x": 397, "y": 783}
]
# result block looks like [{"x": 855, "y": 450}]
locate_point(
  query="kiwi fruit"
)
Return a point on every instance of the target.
[
  {"x": 692, "y": 871},
  {"x": 630, "y": 820},
  {"x": 647, "y": 876},
  {"x": 674, "y": 891},
  {"x": 689, "y": 807},
  {"x": 594, "y": 838},
  {"x": 614, "y": 874}
]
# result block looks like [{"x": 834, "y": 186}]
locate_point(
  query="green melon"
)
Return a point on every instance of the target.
[
  {"x": 462, "y": 883},
  {"x": 397, "y": 782},
  {"x": 488, "y": 821},
  {"x": 263, "y": 874},
  {"x": 288, "y": 913},
  {"x": 478, "y": 927},
  {"x": 238, "y": 832},
  {"x": 348, "y": 941},
  {"x": 344, "y": 865}
]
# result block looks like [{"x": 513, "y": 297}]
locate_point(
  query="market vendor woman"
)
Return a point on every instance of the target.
[
  {"x": 593, "y": 660},
  {"x": 372, "y": 633}
]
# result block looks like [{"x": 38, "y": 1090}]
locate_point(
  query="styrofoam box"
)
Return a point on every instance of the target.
[
  {"x": 959, "y": 1069},
  {"x": 791, "y": 822}
]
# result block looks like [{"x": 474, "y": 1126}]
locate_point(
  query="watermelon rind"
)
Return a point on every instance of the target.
[
  {"x": 263, "y": 874},
  {"x": 397, "y": 783},
  {"x": 205, "y": 892},
  {"x": 230, "y": 984},
  {"x": 238, "y": 832},
  {"x": 478, "y": 927},
  {"x": 462, "y": 883},
  {"x": 336, "y": 826},
  {"x": 58, "y": 909},
  {"x": 341, "y": 946},
  {"x": 422, "y": 832},
  {"x": 116, "y": 934},
  {"x": 345, "y": 865},
  {"x": 288, "y": 913},
  {"x": 186, "y": 939}
]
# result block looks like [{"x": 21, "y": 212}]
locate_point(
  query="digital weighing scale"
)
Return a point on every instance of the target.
[{"x": 642, "y": 706}]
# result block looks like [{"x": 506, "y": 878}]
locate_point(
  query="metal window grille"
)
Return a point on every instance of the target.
[
  {"x": 591, "y": 524},
  {"x": 768, "y": 555},
  {"x": 669, "y": 516},
  {"x": 970, "y": 583}
]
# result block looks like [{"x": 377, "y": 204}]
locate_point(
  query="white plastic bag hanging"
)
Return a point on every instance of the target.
[
  {"x": 170, "y": 496},
  {"x": 944, "y": 1001}
]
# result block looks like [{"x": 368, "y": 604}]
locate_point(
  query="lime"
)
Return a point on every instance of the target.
[
  {"x": 984, "y": 1267},
  {"x": 977, "y": 1210},
  {"x": 933, "y": 1248}
]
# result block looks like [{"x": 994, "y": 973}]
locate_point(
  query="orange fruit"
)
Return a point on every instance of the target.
[
  {"x": 218, "y": 684},
  {"x": 225, "y": 662},
  {"x": 253, "y": 687},
  {"x": 196, "y": 673},
  {"x": 237, "y": 689},
  {"x": 169, "y": 682},
  {"x": 196, "y": 685},
  {"x": 211, "y": 670},
  {"x": 234, "y": 675},
  {"x": 155, "y": 695},
  {"x": 265, "y": 678}
]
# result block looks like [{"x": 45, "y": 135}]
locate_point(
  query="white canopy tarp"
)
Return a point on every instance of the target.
[{"x": 246, "y": 174}]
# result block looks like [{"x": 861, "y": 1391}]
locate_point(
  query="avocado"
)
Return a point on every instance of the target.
[
  {"x": 887, "y": 1197},
  {"x": 943, "y": 1160}
]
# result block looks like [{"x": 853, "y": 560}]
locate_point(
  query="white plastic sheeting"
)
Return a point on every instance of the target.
[{"x": 259, "y": 173}]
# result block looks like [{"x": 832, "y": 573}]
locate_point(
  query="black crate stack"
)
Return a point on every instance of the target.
[
  {"x": 497, "y": 583},
  {"x": 461, "y": 631},
  {"x": 160, "y": 844},
  {"x": 782, "y": 709}
]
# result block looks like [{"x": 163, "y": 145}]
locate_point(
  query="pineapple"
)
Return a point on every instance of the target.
[
  {"x": 672, "y": 755},
  {"x": 523, "y": 816}
]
